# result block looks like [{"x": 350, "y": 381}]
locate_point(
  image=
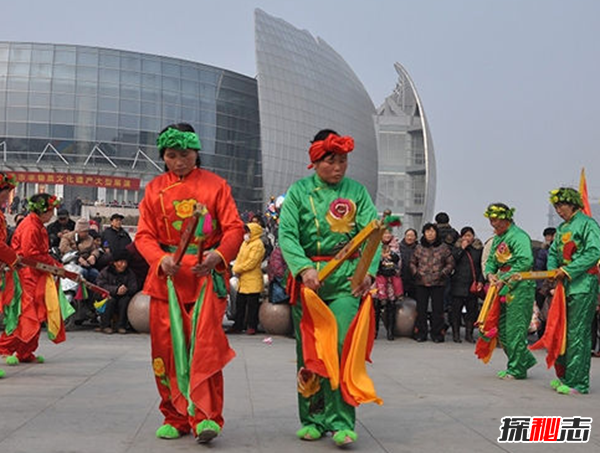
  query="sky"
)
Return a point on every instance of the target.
[{"x": 510, "y": 88}]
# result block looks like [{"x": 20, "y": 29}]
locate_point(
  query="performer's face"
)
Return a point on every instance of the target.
[
  {"x": 499, "y": 225},
  {"x": 565, "y": 211},
  {"x": 180, "y": 161},
  {"x": 332, "y": 168},
  {"x": 46, "y": 216}
]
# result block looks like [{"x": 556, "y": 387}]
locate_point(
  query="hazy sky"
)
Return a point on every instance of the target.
[{"x": 510, "y": 87}]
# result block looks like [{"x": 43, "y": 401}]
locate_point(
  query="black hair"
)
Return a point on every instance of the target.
[
  {"x": 183, "y": 127},
  {"x": 437, "y": 241},
  {"x": 467, "y": 229},
  {"x": 549, "y": 230},
  {"x": 413, "y": 230},
  {"x": 442, "y": 217},
  {"x": 323, "y": 134},
  {"x": 430, "y": 226}
]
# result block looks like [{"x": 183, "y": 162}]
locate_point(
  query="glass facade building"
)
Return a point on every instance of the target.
[
  {"x": 406, "y": 159},
  {"x": 305, "y": 86},
  {"x": 79, "y": 109}
]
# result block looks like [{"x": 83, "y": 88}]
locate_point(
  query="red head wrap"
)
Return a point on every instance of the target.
[{"x": 332, "y": 144}]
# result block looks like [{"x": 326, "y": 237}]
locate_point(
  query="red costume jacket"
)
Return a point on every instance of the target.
[{"x": 168, "y": 202}]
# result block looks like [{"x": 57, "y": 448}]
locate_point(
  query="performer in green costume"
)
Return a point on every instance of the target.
[
  {"x": 511, "y": 252},
  {"x": 320, "y": 214},
  {"x": 575, "y": 253}
]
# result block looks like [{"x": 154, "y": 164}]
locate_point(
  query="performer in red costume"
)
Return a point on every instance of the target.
[
  {"x": 8, "y": 257},
  {"x": 38, "y": 288},
  {"x": 188, "y": 299}
]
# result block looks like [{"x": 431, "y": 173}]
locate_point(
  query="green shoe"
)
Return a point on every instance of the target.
[
  {"x": 206, "y": 431},
  {"x": 555, "y": 383},
  {"x": 2, "y": 373},
  {"x": 344, "y": 437},
  {"x": 309, "y": 432},
  {"x": 167, "y": 432},
  {"x": 12, "y": 360},
  {"x": 505, "y": 375},
  {"x": 566, "y": 390}
]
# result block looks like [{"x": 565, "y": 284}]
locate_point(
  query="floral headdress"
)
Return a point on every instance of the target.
[
  {"x": 43, "y": 204},
  {"x": 499, "y": 211},
  {"x": 176, "y": 139},
  {"x": 566, "y": 195},
  {"x": 7, "y": 181}
]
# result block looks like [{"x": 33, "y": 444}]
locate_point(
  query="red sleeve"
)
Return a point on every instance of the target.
[
  {"x": 7, "y": 254},
  {"x": 147, "y": 236}
]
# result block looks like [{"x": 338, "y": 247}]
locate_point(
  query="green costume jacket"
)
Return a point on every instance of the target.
[
  {"x": 576, "y": 249},
  {"x": 318, "y": 219}
]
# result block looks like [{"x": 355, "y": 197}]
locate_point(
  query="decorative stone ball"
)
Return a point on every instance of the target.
[
  {"x": 138, "y": 312},
  {"x": 276, "y": 319},
  {"x": 406, "y": 317}
]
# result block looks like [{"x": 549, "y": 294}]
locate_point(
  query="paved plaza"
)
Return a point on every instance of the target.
[{"x": 96, "y": 393}]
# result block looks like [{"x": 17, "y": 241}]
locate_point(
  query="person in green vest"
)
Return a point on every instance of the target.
[
  {"x": 320, "y": 214},
  {"x": 575, "y": 252},
  {"x": 511, "y": 252}
]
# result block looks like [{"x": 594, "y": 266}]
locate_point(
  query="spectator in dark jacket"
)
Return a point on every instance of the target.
[
  {"x": 407, "y": 248},
  {"x": 59, "y": 226},
  {"x": 431, "y": 266},
  {"x": 467, "y": 269},
  {"x": 115, "y": 238},
  {"x": 120, "y": 282},
  {"x": 138, "y": 264}
]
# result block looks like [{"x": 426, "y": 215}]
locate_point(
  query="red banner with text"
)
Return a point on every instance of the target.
[{"x": 78, "y": 179}]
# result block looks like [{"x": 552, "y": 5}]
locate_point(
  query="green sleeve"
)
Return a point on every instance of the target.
[
  {"x": 491, "y": 265},
  {"x": 289, "y": 234},
  {"x": 553, "y": 258},
  {"x": 588, "y": 256}
]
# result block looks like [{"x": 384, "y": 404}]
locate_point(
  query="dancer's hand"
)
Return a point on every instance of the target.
[
  {"x": 364, "y": 287},
  {"x": 560, "y": 274},
  {"x": 210, "y": 260},
  {"x": 310, "y": 278},
  {"x": 168, "y": 266}
]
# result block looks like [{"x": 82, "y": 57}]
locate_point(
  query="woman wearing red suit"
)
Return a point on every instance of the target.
[
  {"x": 31, "y": 241},
  {"x": 188, "y": 299},
  {"x": 8, "y": 256}
]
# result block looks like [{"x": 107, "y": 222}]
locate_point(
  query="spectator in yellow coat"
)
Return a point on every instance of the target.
[{"x": 248, "y": 268}]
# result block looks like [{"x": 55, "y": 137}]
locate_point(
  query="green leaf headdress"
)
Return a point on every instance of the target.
[
  {"x": 566, "y": 195},
  {"x": 499, "y": 211},
  {"x": 176, "y": 139},
  {"x": 40, "y": 203}
]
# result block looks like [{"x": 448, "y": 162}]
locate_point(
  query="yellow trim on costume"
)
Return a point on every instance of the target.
[
  {"x": 225, "y": 263},
  {"x": 312, "y": 204},
  {"x": 565, "y": 271},
  {"x": 162, "y": 207}
]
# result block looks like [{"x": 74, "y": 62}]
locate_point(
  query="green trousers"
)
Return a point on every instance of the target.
[
  {"x": 515, "y": 317},
  {"x": 575, "y": 363},
  {"x": 326, "y": 409}
]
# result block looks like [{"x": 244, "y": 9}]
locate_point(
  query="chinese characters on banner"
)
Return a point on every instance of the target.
[{"x": 78, "y": 179}]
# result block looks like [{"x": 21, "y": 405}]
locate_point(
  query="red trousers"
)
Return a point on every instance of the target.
[
  {"x": 25, "y": 339},
  {"x": 208, "y": 402}
]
